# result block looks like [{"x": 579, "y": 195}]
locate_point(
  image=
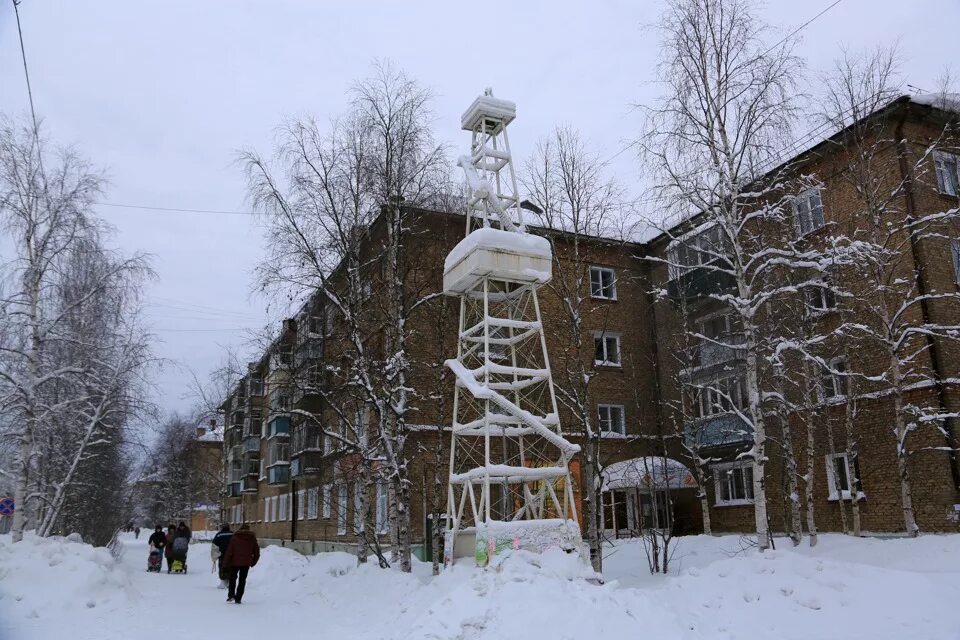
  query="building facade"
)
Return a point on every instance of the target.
[{"x": 663, "y": 367}]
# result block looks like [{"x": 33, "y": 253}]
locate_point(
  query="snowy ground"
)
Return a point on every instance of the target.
[{"x": 844, "y": 588}]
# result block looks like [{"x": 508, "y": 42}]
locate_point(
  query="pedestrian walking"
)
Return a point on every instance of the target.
[
  {"x": 218, "y": 551},
  {"x": 168, "y": 547},
  {"x": 157, "y": 540},
  {"x": 243, "y": 552},
  {"x": 136, "y": 533}
]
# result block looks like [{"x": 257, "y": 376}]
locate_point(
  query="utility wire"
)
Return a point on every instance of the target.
[
  {"x": 26, "y": 74},
  {"x": 768, "y": 50}
]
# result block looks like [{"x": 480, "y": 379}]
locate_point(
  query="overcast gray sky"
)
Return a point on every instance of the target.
[{"x": 162, "y": 94}]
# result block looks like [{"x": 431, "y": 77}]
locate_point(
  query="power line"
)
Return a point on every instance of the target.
[
  {"x": 26, "y": 74},
  {"x": 177, "y": 209},
  {"x": 768, "y": 50}
]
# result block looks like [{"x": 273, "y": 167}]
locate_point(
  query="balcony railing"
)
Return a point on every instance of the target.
[
  {"x": 726, "y": 349},
  {"x": 278, "y": 475},
  {"x": 724, "y": 429},
  {"x": 278, "y": 453},
  {"x": 251, "y": 444},
  {"x": 279, "y": 427},
  {"x": 249, "y": 484},
  {"x": 307, "y": 439}
]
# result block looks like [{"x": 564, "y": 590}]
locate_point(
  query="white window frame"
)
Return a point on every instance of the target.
[
  {"x": 266, "y": 510},
  {"x": 942, "y": 161},
  {"x": 274, "y": 508},
  {"x": 722, "y": 473},
  {"x": 710, "y": 396},
  {"x": 313, "y": 499},
  {"x": 622, "y": 431},
  {"x": 327, "y": 500},
  {"x": 604, "y": 289},
  {"x": 831, "y": 478},
  {"x": 837, "y": 382},
  {"x": 301, "y": 505},
  {"x": 283, "y": 507},
  {"x": 342, "y": 510},
  {"x": 803, "y": 212},
  {"x": 955, "y": 255},
  {"x": 604, "y": 337},
  {"x": 383, "y": 509},
  {"x": 357, "y": 516},
  {"x": 819, "y": 299}
]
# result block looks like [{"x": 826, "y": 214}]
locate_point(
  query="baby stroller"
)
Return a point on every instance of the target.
[
  {"x": 154, "y": 560},
  {"x": 180, "y": 548}
]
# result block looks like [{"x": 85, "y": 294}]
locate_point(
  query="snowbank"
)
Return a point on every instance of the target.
[
  {"x": 53, "y": 577},
  {"x": 719, "y": 588}
]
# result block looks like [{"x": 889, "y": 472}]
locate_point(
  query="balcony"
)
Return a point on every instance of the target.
[
  {"x": 249, "y": 484},
  {"x": 699, "y": 282},
  {"x": 712, "y": 354},
  {"x": 251, "y": 444},
  {"x": 278, "y": 453},
  {"x": 278, "y": 475},
  {"x": 306, "y": 463},
  {"x": 235, "y": 452},
  {"x": 720, "y": 430},
  {"x": 307, "y": 438},
  {"x": 233, "y": 489},
  {"x": 279, "y": 427}
]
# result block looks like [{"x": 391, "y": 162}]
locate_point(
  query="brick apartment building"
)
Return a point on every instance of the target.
[{"x": 294, "y": 484}]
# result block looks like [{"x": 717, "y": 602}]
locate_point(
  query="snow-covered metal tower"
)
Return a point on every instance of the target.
[{"x": 510, "y": 484}]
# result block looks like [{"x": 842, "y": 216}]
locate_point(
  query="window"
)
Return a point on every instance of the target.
[
  {"x": 734, "y": 483},
  {"x": 947, "y": 177},
  {"x": 382, "y": 509},
  {"x": 266, "y": 509},
  {"x": 312, "y": 499},
  {"x": 603, "y": 283},
  {"x": 719, "y": 396},
  {"x": 283, "y": 508},
  {"x": 833, "y": 381},
  {"x": 263, "y": 470},
  {"x": 955, "y": 251},
  {"x": 606, "y": 349},
  {"x": 327, "y": 491},
  {"x": 327, "y": 444},
  {"x": 357, "y": 510},
  {"x": 820, "y": 298},
  {"x": 839, "y": 474},
  {"x": 301, "y": 505},
  {"x": 808, "y": 211},
  {"x": 274, "y": 504},
  {"x": 611, "y": 418},
  {"x": 342, "y": 510},
  {"x": 701, "y": 246}
]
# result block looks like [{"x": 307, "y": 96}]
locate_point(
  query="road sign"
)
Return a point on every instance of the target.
[{"x": 6, "y": 506}]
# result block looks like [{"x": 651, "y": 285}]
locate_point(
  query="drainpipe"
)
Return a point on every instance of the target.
[{"x": 918, "y": 270}]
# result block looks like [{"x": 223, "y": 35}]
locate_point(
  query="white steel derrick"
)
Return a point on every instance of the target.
[{"x": 509, "y": 482}]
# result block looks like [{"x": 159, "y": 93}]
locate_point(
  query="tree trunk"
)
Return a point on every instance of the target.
[
  {"x": 590, "y": 507},
  {"x": 851, "y": 449},
  {"x": 900, "y": 432}
]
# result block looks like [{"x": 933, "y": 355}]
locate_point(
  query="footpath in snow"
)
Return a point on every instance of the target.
[{"x": 843, "y": 588}]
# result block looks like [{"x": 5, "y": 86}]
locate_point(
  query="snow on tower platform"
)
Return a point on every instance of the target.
[{"x": 494, "y": 253}]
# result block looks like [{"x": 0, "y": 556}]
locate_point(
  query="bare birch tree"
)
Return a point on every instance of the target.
[
  {"x": 891, "y": 316},
  {"x": 336, "y": 186},
  {"x": 577, "y": 204},
  {"x": 728, "y": 108}
]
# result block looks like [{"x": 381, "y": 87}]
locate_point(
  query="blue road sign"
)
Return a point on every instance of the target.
[{"x": 6, "y": 506}]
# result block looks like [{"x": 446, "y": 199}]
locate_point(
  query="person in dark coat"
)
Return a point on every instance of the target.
[
  {"x": 168, "y": 547},
  {"x": 243, "y": 552},
  {"x": 183, "y": 531},
  {"x": 157, "y": 539},
  {"x": 220, "y": 543}
]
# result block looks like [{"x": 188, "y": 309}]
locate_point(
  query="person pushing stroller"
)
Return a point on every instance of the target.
[{"x": 179, "y": 548}]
